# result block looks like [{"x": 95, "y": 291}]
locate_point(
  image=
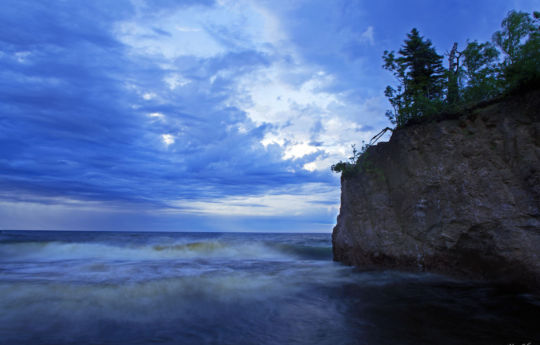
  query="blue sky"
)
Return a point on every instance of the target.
[{"x": 199, "y": 115}]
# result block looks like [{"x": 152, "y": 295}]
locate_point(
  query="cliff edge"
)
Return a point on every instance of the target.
[{"x": 458, "y": 195}]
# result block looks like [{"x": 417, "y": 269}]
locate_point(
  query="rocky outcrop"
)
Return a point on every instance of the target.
[{"x": 458, "y": 195}]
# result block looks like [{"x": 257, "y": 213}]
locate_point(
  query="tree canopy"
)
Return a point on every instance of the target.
[
  {"x": 477, "y": 73},
  {"x": 420, "y": 72}
]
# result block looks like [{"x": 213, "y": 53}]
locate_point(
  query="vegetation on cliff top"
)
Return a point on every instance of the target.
[{"x": 475, "y": 74}]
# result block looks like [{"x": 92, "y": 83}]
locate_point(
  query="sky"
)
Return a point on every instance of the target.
[{"x": 185, "y": 115}]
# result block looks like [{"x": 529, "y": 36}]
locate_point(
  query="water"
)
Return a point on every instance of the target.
[{"x": 211, "y": 288}]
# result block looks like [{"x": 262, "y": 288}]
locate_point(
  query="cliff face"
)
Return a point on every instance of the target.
[{"x": 459, "y": 196}]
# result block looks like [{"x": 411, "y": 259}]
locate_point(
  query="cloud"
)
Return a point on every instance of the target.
[
  {"x": 193, "y": 110},
  {"x": 312, "y": 198},
  {"x": 307, "y": 120},
  {"x": 187, "y": 29},
  {"x": 368, "y": 36},
  {"x": 167, "y": 139}
]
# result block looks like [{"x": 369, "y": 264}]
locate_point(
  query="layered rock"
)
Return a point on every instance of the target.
[{"x": 458, "y": 195}]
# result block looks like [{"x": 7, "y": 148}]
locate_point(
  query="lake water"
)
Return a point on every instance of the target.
[{"x": 222, "y": 288}]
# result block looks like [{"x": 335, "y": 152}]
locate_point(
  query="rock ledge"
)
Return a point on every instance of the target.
[{"x": 458, "y": 196}]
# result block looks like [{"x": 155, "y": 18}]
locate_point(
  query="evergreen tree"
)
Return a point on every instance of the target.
[
  {"x": 422, "y": 79},
  {"x": 420, "y": 74}
]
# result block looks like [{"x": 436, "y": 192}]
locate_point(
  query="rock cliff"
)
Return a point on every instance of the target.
[{"x": 458, "y": 195}]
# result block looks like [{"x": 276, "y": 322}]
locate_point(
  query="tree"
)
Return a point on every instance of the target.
[
  {"x": 519, "y": 39},
  {"x": 454, "y": 74},
  {"x": 516, "y": 27},
  {"x": 420, "y": 74},
  {"x": 422, "y": 79},
  {"x": 480, "y": 62}
]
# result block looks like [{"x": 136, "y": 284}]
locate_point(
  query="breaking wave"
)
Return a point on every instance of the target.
[
  {"x": 142, "y": 288},
  {"x": 57, "y": 250}
]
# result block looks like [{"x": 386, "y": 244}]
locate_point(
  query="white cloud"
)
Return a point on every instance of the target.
[
  {"x": 158, "y": 116},
  {"x": 148, "y": 96},
  {"x": 302, "y": 113},
  {"x": 168, "y": 139},
  {"x": 289, "y": 94},
  {"x": 313, "y": 198},
  {"x": 200, "y": 31},
  {"x": 175, "y": 80},
  {"x": 368, "y": 36},
  {"x": 22, "y": 56},
  {"x": 183, "y": 40},
  {"x": 187, "y": 29},
  {"x": 310, "y": 166},
  {"x": 298, "y": 150}
]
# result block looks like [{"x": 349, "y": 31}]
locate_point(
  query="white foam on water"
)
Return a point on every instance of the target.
[
  {"x": 52, "y": 251},
  {"x": 137, "y": 301}
]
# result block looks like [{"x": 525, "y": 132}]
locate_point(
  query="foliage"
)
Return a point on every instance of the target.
[
  {"x": 519, "y": 39},
  {"x": 351, "y": 167},
  {"x": 515, "y": 28},
  {"x": 420, "y": 74},
  {"x": 425, "y": 87},
  {"x": 482, "y": 71},
  {"x": 359, "y": 162}
]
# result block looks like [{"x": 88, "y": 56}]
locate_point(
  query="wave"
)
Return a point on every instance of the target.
[
  {"x": 58, "y": 250},
  {"x": 306, "y": 252}
]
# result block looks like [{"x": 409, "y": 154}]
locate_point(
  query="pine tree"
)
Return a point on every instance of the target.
[{"x": 421, "y": 78}]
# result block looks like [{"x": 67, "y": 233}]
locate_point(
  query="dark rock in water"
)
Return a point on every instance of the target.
[{"x": 458, "y": 195}]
